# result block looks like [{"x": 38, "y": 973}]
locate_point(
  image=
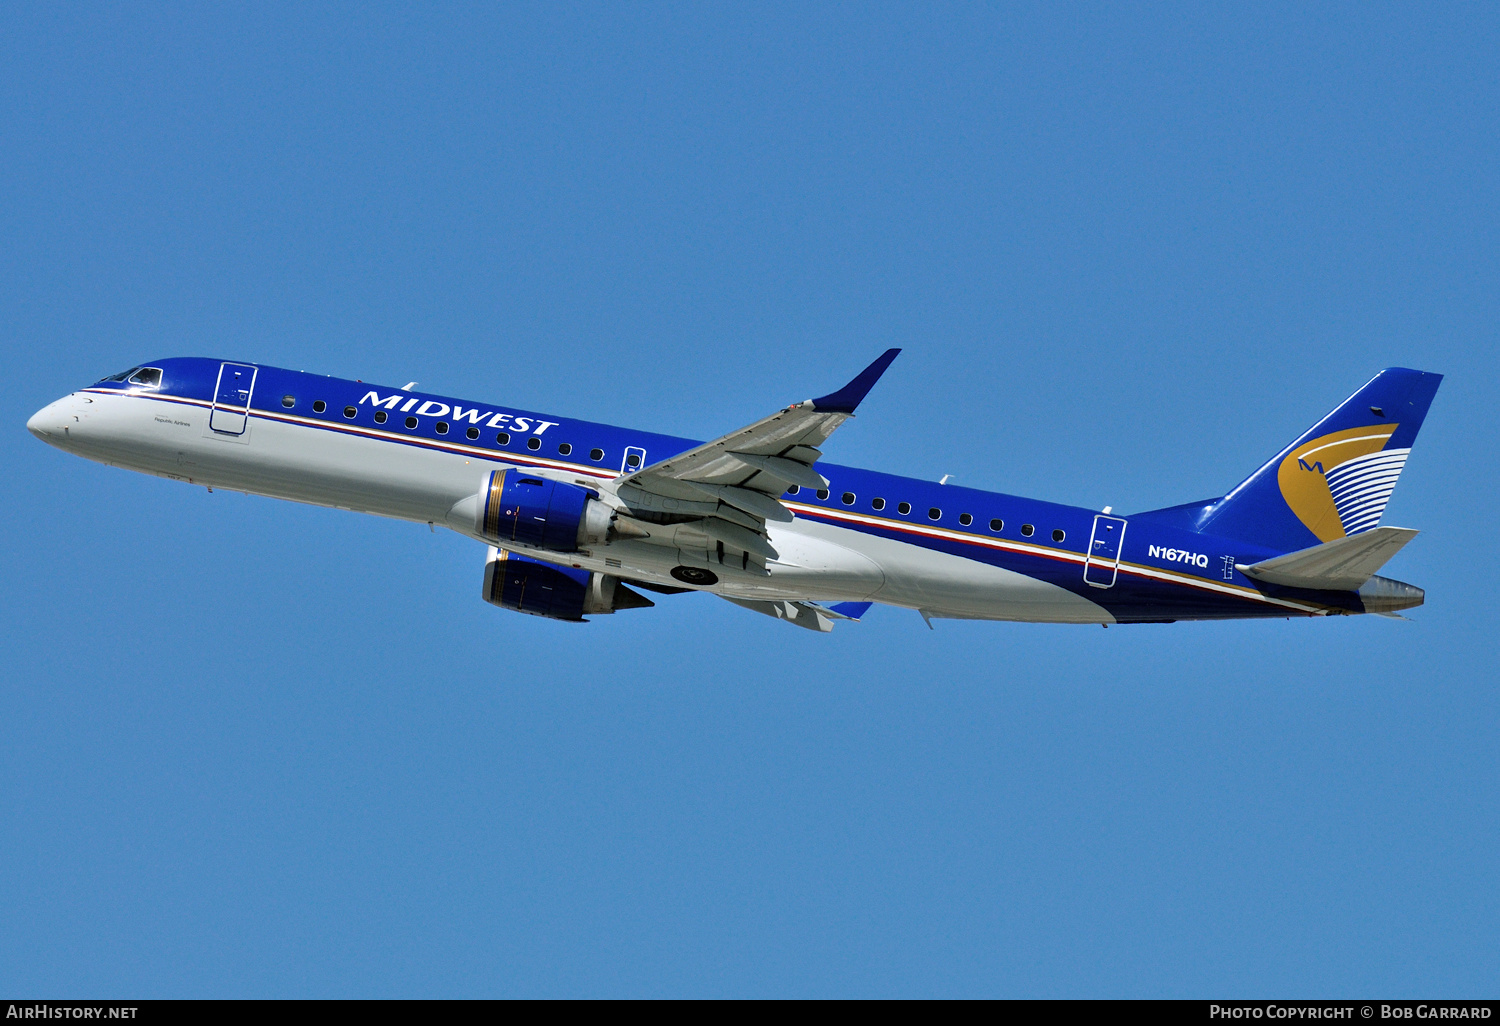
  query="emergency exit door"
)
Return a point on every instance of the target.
[{"x": 1102, "y": 564}]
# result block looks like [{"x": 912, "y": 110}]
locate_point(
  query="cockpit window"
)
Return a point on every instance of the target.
[
  {"x": 121, "y": 376},
  {"x": 146, "y": 377}
]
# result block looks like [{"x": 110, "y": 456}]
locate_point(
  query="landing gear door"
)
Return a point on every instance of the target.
[
  {"x": 1102, "y": 564},
  {"x": 232, "y": 398}
]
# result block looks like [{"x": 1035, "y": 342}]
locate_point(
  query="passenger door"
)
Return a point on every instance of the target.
[
  {"x": 232, "y": 398},
  {"x": 1102, "y": 564}
]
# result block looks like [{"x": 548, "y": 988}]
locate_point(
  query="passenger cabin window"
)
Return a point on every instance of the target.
[
  {"x": 934, "y": 514},
  {"x": 502, "y": 438},
  {"x": 903, "y": 508},
  {"x": 596, "y": 455},
  {"x": 847, "y": 498},
  {"x": 473, "y": 433},
  {"x": 319, "y": 406},
  {"x": 965, "y": 519},
  {"x": 380, "y": 417},
  {"x": 997, "y": 525},
  {"x": 146, "y": 377},
  {"x": 822, "y": 493},
  {"x": 411, "y": 423},
  {"x": 1058, "y": 535},
  {"x": 565, "y": 449},
  {"x": 289, "y": 401},
  {"x": 533, "y": 443},
  {"x": 794, "y": 489},
  {"x": 877, "y": 504},
  {"x": 442, "y": 427},
  {"x": 349, "y": 412},
  {"x": 1027, "y": 530},
  {"x": 633, "y": 460}
]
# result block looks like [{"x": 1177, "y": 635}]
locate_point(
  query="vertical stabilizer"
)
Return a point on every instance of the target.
[{"x": 1333, "y": 481}]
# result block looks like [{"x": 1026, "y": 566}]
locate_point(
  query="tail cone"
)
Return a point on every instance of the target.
[{"x": 1383, "y": 595}]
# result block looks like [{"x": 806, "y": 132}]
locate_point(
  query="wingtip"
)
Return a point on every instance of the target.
[
  {"x": 851, "y": 395},
  {"x": 851, "y": 610}
]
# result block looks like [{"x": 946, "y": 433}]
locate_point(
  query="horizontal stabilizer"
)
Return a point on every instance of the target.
[{"x": 1343, "y": 564}]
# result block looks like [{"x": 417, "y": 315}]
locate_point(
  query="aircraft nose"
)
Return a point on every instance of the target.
[
  {"x": 37, "y": 425},
  {"x": 47, "y": 423}
]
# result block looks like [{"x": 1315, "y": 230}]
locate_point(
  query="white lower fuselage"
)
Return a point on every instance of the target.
[{"x": 378, "y": 472}]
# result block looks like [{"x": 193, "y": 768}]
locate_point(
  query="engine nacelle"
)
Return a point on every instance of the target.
[
  {"x": 525, "y": 509},
  {"x": 530, "y": 586}
]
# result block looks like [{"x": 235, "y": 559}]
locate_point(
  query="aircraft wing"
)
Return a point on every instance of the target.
[
  {"x": 734, "y": 482},
  {"x": 808, "y": 615}
]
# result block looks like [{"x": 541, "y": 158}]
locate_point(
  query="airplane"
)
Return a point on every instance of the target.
[{"x": 579, "y": 518}]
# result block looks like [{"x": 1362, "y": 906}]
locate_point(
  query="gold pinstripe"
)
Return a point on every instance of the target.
[{"x": 492, "y": 504}]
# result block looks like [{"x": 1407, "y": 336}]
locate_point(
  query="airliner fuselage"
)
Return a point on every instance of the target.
[{"x": 669, "y": 514}]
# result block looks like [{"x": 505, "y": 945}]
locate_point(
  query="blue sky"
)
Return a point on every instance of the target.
[{"x": 258, "y": 749}]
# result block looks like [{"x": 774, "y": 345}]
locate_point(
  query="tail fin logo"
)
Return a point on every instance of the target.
[{"x": 1338, "y": 484}]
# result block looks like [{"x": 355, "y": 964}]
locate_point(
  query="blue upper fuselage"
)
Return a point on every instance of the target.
[{"x": 1167, "y": 570}]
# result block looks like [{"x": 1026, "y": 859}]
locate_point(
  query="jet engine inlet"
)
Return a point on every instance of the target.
[
  {"x": 556, "y": 592},
  {"x": 527, "y": 510}
]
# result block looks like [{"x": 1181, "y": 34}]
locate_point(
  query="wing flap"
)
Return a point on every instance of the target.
[
  {"x": 757, "y": 504},
  {"x": 735, "y": 536},
  {"x": 784, "y": 469}
]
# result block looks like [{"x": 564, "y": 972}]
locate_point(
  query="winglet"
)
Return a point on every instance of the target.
[
  {"x": 850, "y": 396},
  {"x": 851, "y": 610}
]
